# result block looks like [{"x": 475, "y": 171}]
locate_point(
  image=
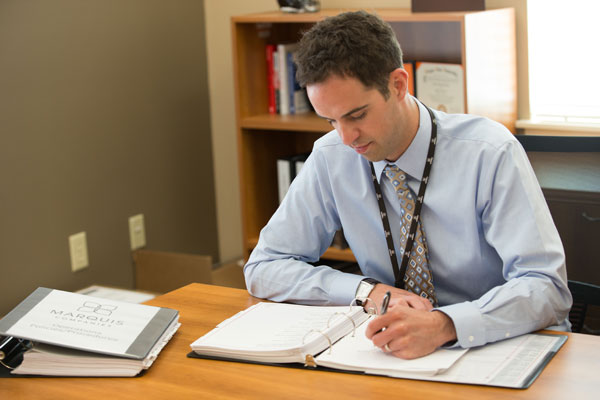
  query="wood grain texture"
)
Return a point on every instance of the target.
[{"x": 573, "y": 372}]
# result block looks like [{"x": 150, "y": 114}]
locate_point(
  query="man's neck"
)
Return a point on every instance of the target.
[{"x": 412, "y": 124}]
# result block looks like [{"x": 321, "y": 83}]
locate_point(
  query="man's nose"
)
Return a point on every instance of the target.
[{"x": 348, "y": 134}]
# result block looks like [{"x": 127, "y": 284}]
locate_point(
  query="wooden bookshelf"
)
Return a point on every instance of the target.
[{"x": 482, "y": 42}]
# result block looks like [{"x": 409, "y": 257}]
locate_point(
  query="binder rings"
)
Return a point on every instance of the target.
[
  {"x": 333, "y": 338},
  {"x": 11, "y": 352},
  {"x": 59, "y": 333}
]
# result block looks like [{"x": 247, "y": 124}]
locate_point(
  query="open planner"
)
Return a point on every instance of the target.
[
  {"x": 334, "y": 338},
  {"x": 59, "y": 333}
]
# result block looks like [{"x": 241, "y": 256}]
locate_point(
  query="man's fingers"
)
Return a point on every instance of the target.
[
  {"x": 419, "y": 303},
  {"x": 376, "y": 325},
  {"x": 398, "y": 301},
  {"x": 405, "y": 353},
  {"x": 412, "y": 301},
  {"x": 392, "y": 342}
]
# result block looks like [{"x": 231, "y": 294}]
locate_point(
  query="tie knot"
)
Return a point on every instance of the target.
[{"x": 396, "y": 175}]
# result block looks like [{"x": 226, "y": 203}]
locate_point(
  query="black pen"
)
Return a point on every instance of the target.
[
  {"x": 384, "y": 307},
  {"x": 385, "y": 302}
]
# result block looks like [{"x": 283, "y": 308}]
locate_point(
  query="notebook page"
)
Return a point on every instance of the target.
[
  {"x": 359, "y": 354},
  {"x": 506, "y": 363}
]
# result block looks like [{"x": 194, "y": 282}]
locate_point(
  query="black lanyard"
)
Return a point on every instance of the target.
[{"x": 400, "y": 272}]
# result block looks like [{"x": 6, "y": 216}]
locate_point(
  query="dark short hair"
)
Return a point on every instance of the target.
[{"x": 352, "y": 44}]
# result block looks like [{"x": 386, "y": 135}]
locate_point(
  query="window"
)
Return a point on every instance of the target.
[{"x": 564, "y": 61}]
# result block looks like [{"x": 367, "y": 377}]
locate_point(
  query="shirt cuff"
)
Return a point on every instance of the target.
[
  {"x": 468, "y": 324},
  {"x": 343, "y": 288}
]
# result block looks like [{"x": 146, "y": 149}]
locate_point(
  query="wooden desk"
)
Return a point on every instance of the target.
[{"x": 573, "y": 373}]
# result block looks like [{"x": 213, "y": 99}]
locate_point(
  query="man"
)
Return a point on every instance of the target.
[{"x": 485, "y": 263}]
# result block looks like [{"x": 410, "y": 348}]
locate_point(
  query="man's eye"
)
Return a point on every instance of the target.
[{"x": 358, "y": 116}]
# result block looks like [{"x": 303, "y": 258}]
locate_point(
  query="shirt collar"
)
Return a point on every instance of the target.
[{"x": 412, "y": 161}]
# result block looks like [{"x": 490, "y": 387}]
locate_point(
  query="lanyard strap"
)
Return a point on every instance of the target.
[{"x": 400, "y": 272}]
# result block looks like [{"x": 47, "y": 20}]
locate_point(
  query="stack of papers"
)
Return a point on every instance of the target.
[{"x": 279, "y": 333}]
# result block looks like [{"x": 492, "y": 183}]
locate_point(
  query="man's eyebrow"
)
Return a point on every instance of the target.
[
  {"x": 347, "y": 114},
  {"x": 355, "y": 110}
]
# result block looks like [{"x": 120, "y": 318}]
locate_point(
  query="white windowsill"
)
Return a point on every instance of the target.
[{"x": 532, "y": 127}]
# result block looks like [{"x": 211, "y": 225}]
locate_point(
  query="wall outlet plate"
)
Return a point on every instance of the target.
[
  {"x": 78, "y": 251},
  {"x": 137, "y": 232}
]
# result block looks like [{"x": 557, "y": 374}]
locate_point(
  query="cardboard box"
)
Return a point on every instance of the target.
[{"x": 161, "y": 272}]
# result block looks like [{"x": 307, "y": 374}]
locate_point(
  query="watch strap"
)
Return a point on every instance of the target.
[{"x": 371, "y": 281}]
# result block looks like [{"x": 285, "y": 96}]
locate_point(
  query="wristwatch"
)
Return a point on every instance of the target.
[{"x": 364, "y": 289}]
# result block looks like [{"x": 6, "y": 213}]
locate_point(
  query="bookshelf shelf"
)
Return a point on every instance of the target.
[
  {"x": 482, "y": 42},
  {"x": 308, "y": 122},
  {"x": 331, "y": 254},
  {"x": 337, "y": 254}
]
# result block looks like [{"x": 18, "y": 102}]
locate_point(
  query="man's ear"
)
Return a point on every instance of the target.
[{"x": 399, "y": 83}]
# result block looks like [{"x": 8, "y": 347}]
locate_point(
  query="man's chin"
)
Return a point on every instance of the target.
[{"x": 372, "y": 157}]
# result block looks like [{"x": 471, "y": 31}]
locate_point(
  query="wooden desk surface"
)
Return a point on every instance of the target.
[{"x": 573, "y": 373}]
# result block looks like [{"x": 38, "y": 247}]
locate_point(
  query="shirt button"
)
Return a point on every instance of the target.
[
  {"x": 507, "y": 334},
  {"x": 471, "y": 338}
]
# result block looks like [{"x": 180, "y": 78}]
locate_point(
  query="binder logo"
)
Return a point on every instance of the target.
[
  {"x": 97, "y": 308},
  {"x": 89, "y": 313}
]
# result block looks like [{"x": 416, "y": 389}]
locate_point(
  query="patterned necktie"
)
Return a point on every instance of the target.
[{"x": 418, "y": 277}]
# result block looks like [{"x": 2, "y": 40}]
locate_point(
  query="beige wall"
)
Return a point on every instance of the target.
[
  {"x": 222, "y": 117},
  {"x": 104, "y": 114},
  {"x": 220, "y": 70}
]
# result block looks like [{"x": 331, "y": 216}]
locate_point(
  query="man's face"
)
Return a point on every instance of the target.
[{"x": 373, "y": 126}]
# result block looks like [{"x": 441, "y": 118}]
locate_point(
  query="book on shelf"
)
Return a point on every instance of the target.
[
  {"x": 333, "y": 338},
  {"x": 441, "y": 86},
  {"x": 284, "y": 82},
  {"x": 287, "y": 169},
  {"x": 299, "y": 103},
  {"x": 58, "y": 333},
  {"x": 285, "y": 95},
  {"x": 272, "y": 78}
]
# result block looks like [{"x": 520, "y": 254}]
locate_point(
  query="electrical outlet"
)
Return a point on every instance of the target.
[
  {"x": 137, "y": 232},
  {"x": 79, "y": 252}
]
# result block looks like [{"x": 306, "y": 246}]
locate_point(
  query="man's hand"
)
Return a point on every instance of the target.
[
  {"x": 399, "y": 297},
  {"x": 409, "y": 332}
]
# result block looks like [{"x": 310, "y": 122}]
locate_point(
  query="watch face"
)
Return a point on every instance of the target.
[{"x": 364, "y": 288}]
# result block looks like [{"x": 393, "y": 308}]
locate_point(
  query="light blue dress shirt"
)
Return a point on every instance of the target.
[{"x": 497, "y": 261}]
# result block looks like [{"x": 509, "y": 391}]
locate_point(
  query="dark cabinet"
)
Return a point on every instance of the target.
[
  {"x": 577, "y": 218},
  {"x": 571, "y": 185}
]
